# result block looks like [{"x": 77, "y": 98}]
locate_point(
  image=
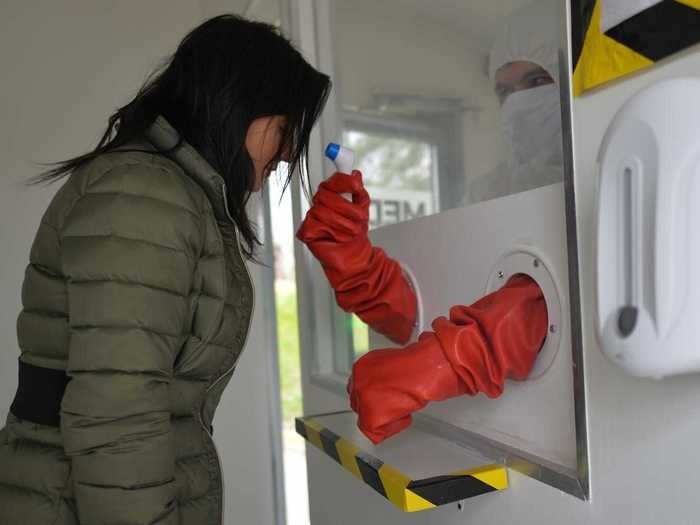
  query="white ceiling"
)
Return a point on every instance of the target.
[{"x": 477, "y": 18}]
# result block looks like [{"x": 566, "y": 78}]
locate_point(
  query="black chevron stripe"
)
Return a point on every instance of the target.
[
  {"x": 301, "y": 428},
  {"x": 581, "y": 14},
  {"x": 328, "y": 440},
  {"x": 659, "y": 31},
  {"x": 369, "y": 468},
  {"x": 446, "y": 489}
]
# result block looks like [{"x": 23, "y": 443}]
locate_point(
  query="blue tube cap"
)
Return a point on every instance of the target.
[{"x": 332, "y": 150}]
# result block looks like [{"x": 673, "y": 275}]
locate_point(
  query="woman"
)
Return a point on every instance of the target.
[{"x": 137, "y": 301}]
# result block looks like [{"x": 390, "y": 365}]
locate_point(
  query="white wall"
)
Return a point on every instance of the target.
[
  {"x": 66, "y": 67},
  {"x": 643, "y": 434}
]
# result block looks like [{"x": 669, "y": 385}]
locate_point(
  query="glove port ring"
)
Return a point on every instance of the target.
[
  {"x": 413, "y": 282},
  {"x": 528, "y": 262}
]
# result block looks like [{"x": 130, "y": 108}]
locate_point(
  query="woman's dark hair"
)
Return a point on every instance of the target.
[{"x": 226, "y": 73}]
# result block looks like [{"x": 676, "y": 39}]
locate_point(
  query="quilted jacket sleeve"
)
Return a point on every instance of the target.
[{"x": 129, "y": 247}]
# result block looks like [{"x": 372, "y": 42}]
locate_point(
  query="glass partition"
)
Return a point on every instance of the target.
[{"x": 447, "y": 104}]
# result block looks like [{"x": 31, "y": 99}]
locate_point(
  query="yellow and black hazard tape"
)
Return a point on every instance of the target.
[
  {"x": 407, "y": 494},
  {"x": 641, "y": 40}
]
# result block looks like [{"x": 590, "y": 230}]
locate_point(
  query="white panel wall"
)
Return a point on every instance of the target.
[{"x": 66, "y": 66}]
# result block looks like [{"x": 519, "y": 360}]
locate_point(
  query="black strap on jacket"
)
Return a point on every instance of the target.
[{"x": 39, "y": 394}]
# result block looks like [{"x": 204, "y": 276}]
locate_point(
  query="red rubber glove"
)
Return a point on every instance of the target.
[
  {"x": 366, "y": 281},
  {"x": 498, "y": 337}
]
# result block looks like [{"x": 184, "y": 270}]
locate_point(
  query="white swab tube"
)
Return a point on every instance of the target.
[{"x": 343, "y": 158}]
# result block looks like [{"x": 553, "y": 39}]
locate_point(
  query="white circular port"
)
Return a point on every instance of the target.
[
  {"x": 413, "y": 282},
  {"x": 525, "y": 261}
]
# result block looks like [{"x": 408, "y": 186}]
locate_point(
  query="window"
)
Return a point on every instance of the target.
[
  {"x": 399, "y": 162},
  {"x": 399, "y": 175}
]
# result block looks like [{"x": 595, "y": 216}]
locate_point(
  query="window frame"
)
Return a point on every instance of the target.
[{"x": 318, "y": 325}]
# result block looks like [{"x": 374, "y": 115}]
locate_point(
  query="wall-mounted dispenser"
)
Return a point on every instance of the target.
[{"x": 648, "y": 232}]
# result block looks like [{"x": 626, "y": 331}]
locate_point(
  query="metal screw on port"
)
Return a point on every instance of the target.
[
  {"x": 552, "y": 328},
  {"x": 500, "y": 275},
  {"x": 536, "y": 263},
  {"x": 460, "y": 506}
]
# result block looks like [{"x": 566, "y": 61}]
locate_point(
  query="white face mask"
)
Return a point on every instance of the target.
[{"x": 531, "y": 121}]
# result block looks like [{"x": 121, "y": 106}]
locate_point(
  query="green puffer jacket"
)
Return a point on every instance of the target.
[{"x": 137, "y": 291}]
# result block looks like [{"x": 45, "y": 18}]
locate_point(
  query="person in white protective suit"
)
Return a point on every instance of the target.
[{"x": 524, "y": 69}]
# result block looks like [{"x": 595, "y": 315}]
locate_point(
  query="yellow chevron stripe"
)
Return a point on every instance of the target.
[
  {"x": 313, "y": 432},
  {"x": 347, "y": 452},
  {"x": 495, "y": 476},
  {"x": 415, "y": 503},
  {"x": 603, "y": 59},
  {"x": 695, "y": 4},
  {"x": 395, "y": 482}
]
